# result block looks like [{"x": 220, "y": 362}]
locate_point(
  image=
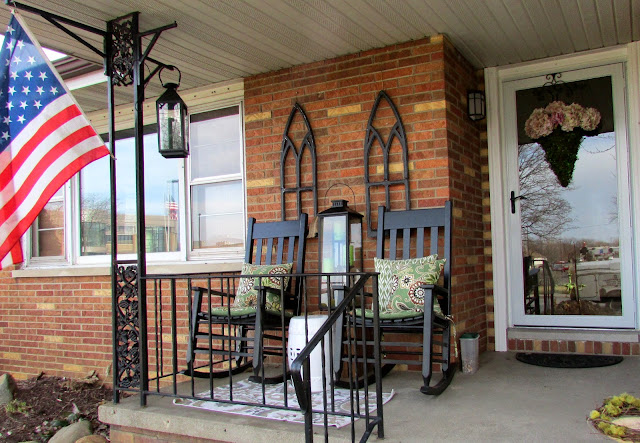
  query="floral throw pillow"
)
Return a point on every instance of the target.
[
  {"x": 399, "y": 283},
  {"x": 247, "y": 295}
]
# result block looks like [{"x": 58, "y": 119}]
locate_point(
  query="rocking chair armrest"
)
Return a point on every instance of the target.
[
  {"x": 437, "y": 289},
  {"x": 440, "y": 293},
  {"x": 288, "y": 297},
  {"x": 215, "y": 292}
]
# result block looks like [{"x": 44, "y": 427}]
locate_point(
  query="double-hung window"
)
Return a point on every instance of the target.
[
  {"x": 216, "y": 185},
  {"x": 194, "y": 207}
]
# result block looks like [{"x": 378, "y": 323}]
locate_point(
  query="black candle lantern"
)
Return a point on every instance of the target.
[
  {"x": 339, "y": 245},
  {"x": 173, "y": 122}
]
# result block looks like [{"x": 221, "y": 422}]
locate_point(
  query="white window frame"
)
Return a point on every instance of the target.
[
  {"x": 198, "y": 101},
  {"x": 29, "y": 259},
  {"x": 227, "y": 254}
]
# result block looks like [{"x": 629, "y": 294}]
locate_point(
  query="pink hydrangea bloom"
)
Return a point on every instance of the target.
[
  {"x": 539, "y": 124},
  {"x": 590, "y": 119},
  {"x": 543, "y": 121}
]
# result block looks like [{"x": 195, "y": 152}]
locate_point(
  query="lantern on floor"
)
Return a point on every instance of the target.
[
  {"x": 173, "y": 122},
  {"x": 339, "y": 246}
]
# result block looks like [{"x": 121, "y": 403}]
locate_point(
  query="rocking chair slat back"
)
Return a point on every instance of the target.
[
  {"x": 400, "y": 225},
  {"x": 417, "y": 233}
]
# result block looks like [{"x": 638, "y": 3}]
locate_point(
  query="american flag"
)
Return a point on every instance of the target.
[
  {"x": 44, "y": 137},
  {"x": 172, "y": 209}
]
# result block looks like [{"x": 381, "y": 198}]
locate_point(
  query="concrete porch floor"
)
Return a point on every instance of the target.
[{"x": 506, "y": 400}]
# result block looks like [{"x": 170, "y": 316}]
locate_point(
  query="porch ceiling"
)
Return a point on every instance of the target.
[{"x": 228, "y": 39}]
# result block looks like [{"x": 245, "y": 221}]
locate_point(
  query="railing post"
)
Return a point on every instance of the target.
[{"x": 377, "y": 357}]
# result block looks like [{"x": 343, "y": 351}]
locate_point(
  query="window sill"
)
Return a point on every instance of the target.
[{"x": 152, "y": 268}]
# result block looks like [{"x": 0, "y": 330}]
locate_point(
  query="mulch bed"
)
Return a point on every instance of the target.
[{"x": 49, "y": 404}]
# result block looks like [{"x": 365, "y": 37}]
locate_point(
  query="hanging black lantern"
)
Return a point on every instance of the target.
[{"x": 173, "y": 121}]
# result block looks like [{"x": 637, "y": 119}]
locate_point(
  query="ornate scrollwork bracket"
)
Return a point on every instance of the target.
[
  {"x": 127, "y": 333},
  {"x": 122, "y": 32}
]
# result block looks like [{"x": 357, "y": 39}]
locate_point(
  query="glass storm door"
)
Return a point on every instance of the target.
[{"x": 568, "y": 215}]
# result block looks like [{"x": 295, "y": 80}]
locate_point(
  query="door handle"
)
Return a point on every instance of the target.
[{"x": 513, "y": 201}]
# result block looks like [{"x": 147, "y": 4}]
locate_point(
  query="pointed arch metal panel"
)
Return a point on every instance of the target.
[
  {"x": 372, "y": 136},
  {"x": 307, "y": 144}
]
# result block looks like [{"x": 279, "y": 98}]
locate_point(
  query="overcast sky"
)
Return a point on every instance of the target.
[{"x": 594, "y": 190}]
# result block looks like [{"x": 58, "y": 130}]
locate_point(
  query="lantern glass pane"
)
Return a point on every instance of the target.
[
  {"x": 334, "y": 244},
  {"x": 170, "y": 124},
  {"x": 355, "y": 245}
]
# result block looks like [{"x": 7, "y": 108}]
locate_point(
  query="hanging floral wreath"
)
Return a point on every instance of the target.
[{"x": 560, "y": 128}]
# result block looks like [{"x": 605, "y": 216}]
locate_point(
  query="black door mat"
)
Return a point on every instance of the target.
[{"x": 568, "y": 360}]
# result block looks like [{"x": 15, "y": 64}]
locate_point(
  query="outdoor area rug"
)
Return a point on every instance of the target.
[
  {"x": 250, "y": 392},
  {"x": 568, "y": 360}
]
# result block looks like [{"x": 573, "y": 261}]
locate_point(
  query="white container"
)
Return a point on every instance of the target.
[
  {"x": 297, "y": 342},
  {"x": 470, "y": 352}
]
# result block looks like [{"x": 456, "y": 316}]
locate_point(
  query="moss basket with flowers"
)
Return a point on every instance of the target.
[{"x": 559, "y": 129}]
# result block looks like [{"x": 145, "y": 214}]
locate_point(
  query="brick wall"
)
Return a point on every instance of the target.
[
  {"x": 61, "y": 326},
  {"x": 466, "y": 192},
  {"x": 428, "y": 82}
]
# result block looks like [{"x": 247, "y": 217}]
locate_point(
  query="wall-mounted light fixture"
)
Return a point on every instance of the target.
[
  {"x": 173, "y": 121},
  {"x": 476, "y": 106}
]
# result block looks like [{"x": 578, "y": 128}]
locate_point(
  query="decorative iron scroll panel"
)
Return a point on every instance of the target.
[
  {"x": 374, "y": 136},
  {"x": 307, "y": 144},
  {"x": 127, "y": 333},
  {"x": 122, "y": 44}
]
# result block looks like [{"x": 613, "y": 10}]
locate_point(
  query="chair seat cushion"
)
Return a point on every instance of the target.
[
  {"x": 399, "y": 315},
  {"x": 400, "y": 281},
  {"x": 239, "y": 312},
  {"x": 247, "y": 294}
]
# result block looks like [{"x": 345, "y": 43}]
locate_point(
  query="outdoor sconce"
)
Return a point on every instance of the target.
[
  {"x": 476, "y": 106},
  {"x": 173, "y": 121},
  {"x": 340, "y": 246}
]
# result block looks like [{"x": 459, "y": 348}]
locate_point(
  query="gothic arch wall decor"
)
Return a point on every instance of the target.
[
  {"x": 307, "y": 144},
  {"x": 372, "y": 136}
]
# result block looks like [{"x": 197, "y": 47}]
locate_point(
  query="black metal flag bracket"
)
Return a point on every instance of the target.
[{"x": 124, "y": 58}]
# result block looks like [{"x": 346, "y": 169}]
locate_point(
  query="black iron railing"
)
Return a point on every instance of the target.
[
  {"x": 345, "y": 349},
  {"x": 171, "y": 367}
]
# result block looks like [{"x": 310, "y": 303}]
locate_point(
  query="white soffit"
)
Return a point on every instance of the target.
[{"x": 217, "y": 41}]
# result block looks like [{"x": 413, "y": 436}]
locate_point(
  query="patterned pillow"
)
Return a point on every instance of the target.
[
  {"x": 399, "y": 283},
  {"x": 247, "y": 296}
]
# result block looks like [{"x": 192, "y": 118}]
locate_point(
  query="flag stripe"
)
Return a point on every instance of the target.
[
  {"x": 39, "y": 187},
  {"x": 45, "y": 138},
  {"x": 26, "y": 150},
  {"x": 13, "y": 257},
  {"x": 25, "y": 137},
  {"x": 51, "y": 188},
  {"x": 21, "y": 194}
]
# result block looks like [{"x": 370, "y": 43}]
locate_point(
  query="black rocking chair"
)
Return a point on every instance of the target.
[
  {"x": 220, "y": 331},
  {"x": 402, "y": 235}
]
